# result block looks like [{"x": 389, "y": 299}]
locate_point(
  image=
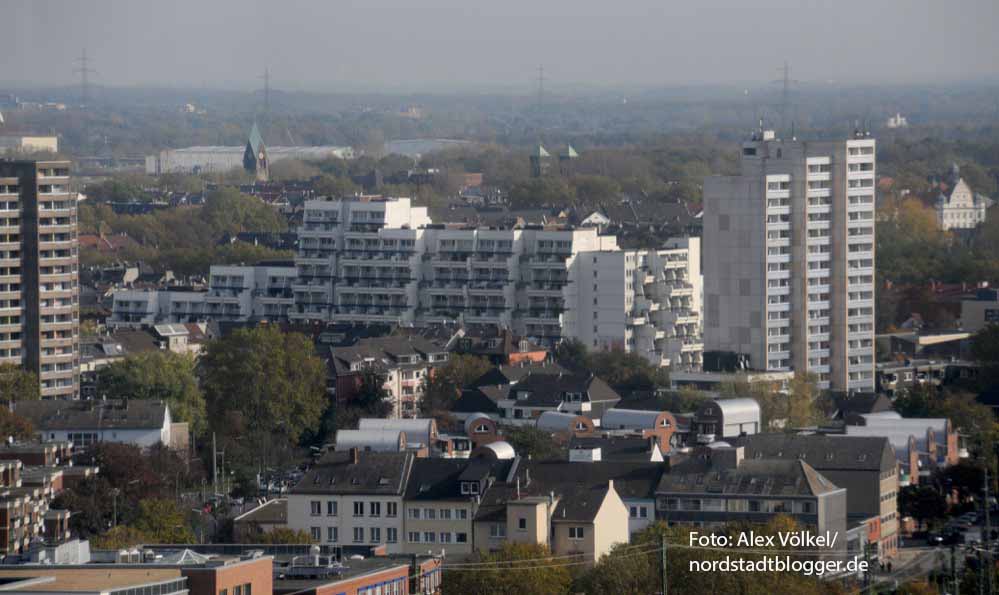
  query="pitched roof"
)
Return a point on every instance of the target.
[
  {"x": 57, "y": 414},
  {"x": 256, "y": 141},
  {"x": 580, "y": 505},
  {"x": 822, "y": 451},
  {"x": 383, "y": 473},
  {"x": 569, "y": 481},
  {"x": 630, "y": 449},
  {"x": 509, "y": 374},
  {"x": 549, "y": 390},
  {"x": 765, "y": 477},
  {"x": 436, "y": 479}
]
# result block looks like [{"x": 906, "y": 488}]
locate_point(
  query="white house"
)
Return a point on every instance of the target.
[{"x": 140, "y": 422}]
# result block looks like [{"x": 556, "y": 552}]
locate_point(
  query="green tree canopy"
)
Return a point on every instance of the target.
[
  {"x": 442, "y": 387},
  {"x": 501, "y": 574},
  {"x": 17, "y": 384},
  {"x": 529, "y": 441},
  {"x": 263, "y": 386},
  {"x": 161, "y": 375}
]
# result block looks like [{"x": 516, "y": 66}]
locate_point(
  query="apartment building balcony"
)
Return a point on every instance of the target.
[
  {"x": 636, "y": 320},
  {"x": 488, "y": 287},
  {"x": 544, "y": 289}
]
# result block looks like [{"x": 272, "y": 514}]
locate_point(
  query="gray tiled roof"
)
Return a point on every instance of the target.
[
  {"x": 380, "y": 473},
  {"x": 57, "y": 414},
  {"x": 765, "y": 477},
  {"x": 821, "y": 451}
]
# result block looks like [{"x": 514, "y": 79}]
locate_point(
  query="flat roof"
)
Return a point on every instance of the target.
[{"x": 76, "y": 579}]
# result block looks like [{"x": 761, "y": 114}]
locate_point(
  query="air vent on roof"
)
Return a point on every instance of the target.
[{"x": 383, "y": 481}]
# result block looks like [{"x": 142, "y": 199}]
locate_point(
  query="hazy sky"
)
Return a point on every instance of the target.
[{"x": 421, "y": 45}]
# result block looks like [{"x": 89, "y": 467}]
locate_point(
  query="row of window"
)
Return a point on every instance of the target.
[{"x": 445, "y": 537}]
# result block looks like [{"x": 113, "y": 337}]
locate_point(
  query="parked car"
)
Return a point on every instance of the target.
[{"x": 934, "y": 539}]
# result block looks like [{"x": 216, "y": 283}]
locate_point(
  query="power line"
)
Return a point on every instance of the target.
[
  {"x": 785, "y": 99},
  {"x": 267, "y": 89},
  {"x": 84, "y": 70},
  {"x": 541, "y": 86}
]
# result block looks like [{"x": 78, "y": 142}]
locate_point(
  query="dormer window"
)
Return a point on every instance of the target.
[
  {"x": 481, "y": 429},
  {"x": 574, "y": 397},
  {"x": 580, "y": 426},
  {"x": 523, "y": 395}
]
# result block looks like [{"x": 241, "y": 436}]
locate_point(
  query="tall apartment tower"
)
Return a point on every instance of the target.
[
  {"x": 789, "y": 259},
  {"x": 39, "y": 269}
]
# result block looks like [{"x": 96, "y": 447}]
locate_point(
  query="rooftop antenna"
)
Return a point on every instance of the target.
[
  {"x": 84, "y": 70},
  {"x": 785, "y": 97}
]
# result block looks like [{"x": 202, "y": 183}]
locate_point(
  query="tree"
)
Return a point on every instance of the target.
[
  {"x": 985, "y": 350},
  {"x": 161, "y": 375},
  {"x": 228, "y": 211},
  {"x": 572, "y": 354},
  {"x": 443, "y": 385},
  {"x": 17, "y": 384},
  {"x": 537, "y": 573},
  {"x": 263, "y": 388},
  {"x": 15, "y": 426},
  {"x": 163, "y": 521},
  {"x": 334, "y": 186},
  {"x": 922, "y": 503},
  {"x": 635, "y": 567},
  {"x": 967, "y": 478},
  {"x": 530, "y": 442},
  {"x": 119, "y": 538}
]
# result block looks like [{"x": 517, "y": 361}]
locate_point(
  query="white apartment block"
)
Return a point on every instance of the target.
[
  {"x": 644, "y": 301},
  {"x": 235, "y": 293},
  {"x": 384, "y": 261},
  {"x": 789, "y": 259}
]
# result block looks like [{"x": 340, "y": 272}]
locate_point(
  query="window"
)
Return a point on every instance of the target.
[
  {"x": 358, "y": 508},
  {"x": 317, "y": 507},
  {"x": 376, "y": 535},
  {"x": 754, "y": 506},
  {"x": 633, "y": 512},
  {"x": 331, "y": 508},
  {"x": 445, "y": 537},
  {"x": 643, "y": 512},
  {"x": 446, "y": 514},
  {"x": 374, "y": 509},
  {"x": 460, "y": 514},
  {"x": 391, "y": 509},
  {"x": 331, "y": 534},
  {"x": 497, "y": 531},
  {"x": 414, "y": 537},
  {"x": 315, "y": 533},
  {"x": 522, "y": 524},
  {"x": 429, "y": 537},
  {"x": 391, "y": 535},
  {"x": 461, "y": 537},
  {"x": 429, "y": 514},
  {"x": 414, "y": 513},
  {"x": 575, "y": 532},
  {"x": 358, "y": 534}
]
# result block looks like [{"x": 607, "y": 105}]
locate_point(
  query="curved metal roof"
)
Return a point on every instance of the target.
[
  {"x": 628, "y": 419},
  {"x": 471, "y": 419},
  {"x": 374, "y": 440},
  {"x": 738, "y": 410},
  {"x": 502, "y": 449},
  {"x": 556, "y": 421}
]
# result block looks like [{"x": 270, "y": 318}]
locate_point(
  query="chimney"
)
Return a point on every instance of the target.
[
  {"x": 355, "y": 455},
  {"x": 527, "y": 475}
]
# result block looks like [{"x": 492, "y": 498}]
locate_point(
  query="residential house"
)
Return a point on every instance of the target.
[
  {"x": 404, "y": 362},
  {"x": 142, "y": 422},
  {"x": 863, "y": 465},
  {"x": 353, "y": 497},
  {"x": 577, "y": 393},
  {"x": 719, "y": 485}
]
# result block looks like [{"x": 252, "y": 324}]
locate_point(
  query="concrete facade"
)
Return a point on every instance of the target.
[
  {"x": 39, "y": 274},
  {"x": 789, "y": 259}
]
